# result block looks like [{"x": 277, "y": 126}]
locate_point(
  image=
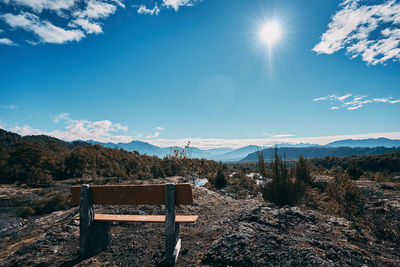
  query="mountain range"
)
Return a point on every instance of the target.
[{"x": 247, "y": 153}]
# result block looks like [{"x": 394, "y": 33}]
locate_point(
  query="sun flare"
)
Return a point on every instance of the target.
[{"x": 270, "y": 32}]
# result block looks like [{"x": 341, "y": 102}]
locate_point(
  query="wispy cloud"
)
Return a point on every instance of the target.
[
  {"x": 364, "y": 30},
  {"x": 61, "y": 21},
  {"x": 158, "y": 131},
  {"x": 175, "y": 4},
  {"x": 43, "y": 29},
  {"x": 9, "y": 106},
  {"x": 6, "y": 41},
  {"x": 353, "y": 102},
  {"x": 277, "y": 136},
  {"x": 146, "y": 11},
  {"x": 102, "y": 131}
]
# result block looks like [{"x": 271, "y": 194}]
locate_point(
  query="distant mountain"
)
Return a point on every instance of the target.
[
  {"x": 293, "y": 153},
  {"x": 365, "y": 143},
  {"x": 218, "y": 154},
  {"x": 230, "y": 154},
  {"x": 297, "y": 145},
  {"x": 220, "y": 150},
  {"x": 139, "y": 146},
  {"x": 235, "y": 155}
]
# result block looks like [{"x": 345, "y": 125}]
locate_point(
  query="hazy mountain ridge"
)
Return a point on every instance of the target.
[
  {"x": 241, "y": 154},
  {"x": 371, "y": 142},
  {"x": 293, "y": 153},
  {"x": 347, "y": 147}
]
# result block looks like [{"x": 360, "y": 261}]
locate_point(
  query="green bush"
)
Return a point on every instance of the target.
[
  {"x": 220, "y": 180},
  {"x": 354, "y": 171},
  {"x": 302, "y": 171},
  {"x": 283, "y": 189}
]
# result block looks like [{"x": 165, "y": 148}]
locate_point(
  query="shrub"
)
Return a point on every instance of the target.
[
  {"x": 347, "y": 197},
  {"x": 302, "y": 171},
  {"x": 282, "y": 190},
  {"x": 354, "y": 171},
  {"x": 220, "y": 180},
  {"x": 242, "y": 186},
  {"x": 24, "y": 212},
  {"x": 52, "y": 202}
]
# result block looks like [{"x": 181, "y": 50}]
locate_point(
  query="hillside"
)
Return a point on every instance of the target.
[
  {"x": 371, "y": 142},
  {"x": 42, "y": 160},
  {"x": 293, "y": 153}
]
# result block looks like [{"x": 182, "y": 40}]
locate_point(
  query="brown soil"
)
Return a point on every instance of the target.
[{"x": 229, "y": 232}]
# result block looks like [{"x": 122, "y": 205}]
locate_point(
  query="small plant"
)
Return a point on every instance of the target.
[
  {"x": 354, "y": 171},
  {"x": 283, "y": 189},
  {"x": 347, "y": 198},
  {"x": 220, "y": 180},
  {"x": 302, "y": 171}
]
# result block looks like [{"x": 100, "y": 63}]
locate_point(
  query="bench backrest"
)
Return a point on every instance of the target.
[{"x": 153, "y": 194}]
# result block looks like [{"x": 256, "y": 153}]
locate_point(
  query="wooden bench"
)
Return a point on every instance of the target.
[{"x": 94, "y": 228}]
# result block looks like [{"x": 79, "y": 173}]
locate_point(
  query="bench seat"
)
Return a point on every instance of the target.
[{"x": 141, "y": 218}]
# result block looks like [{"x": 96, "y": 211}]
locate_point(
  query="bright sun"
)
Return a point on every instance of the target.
[{"x": 270, "y": 32}]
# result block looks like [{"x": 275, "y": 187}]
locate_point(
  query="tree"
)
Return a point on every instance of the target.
[
  {"x": 220, "y": 180},
  {"x": 354, "y": 171},
  {"x": 282, "y": 190},
  {"x": 302, "y": 171}
]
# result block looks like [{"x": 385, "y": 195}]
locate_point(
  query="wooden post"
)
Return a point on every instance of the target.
[
  {"x": 86, "y": 215},
  {"x": 93, "y": 236},
  {"x": 170, "y": 225}
]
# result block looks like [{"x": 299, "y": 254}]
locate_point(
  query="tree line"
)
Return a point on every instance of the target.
[{"x": 40, "y": 160}]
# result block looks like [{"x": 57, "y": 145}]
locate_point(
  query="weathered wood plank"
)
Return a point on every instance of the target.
[
  {"x": 134, "y": 194},
  {"x": 142, "y": 218},
  {"x": 170, "y": 229}
]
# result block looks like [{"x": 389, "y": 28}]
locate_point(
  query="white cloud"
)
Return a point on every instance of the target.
[
  {"x": 354, "y": 26},
  {"x": 146, "y": 11},
  {"x": 119, "y": 3},
  {"x": 9, "y": 106},
  {"x": 87, "y": 26},
  {"x": 102, "y": 131},
  {"x": 158, "y": 131},
  {"x": 175, "y": 4},
  {"x": 6, "y": 41},
  {"x": 79, "y": 15},
  {"x": 61, "y": 21},
  {"x": 46, "y": 31},
  {"x": 96, "y": 9},
  {"x": 278, "y": 136},
  {"x": 353, "y": 102},
  {"x": 207, "y": 143},
  {"x": 40, "y": 5}
]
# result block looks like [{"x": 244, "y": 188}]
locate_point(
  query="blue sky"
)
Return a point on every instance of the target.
[{"x": 169, "y": 71}]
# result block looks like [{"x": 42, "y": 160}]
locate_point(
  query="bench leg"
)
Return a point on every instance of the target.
[
  {"x": 171, "y": 228},
  {"x": 93, "y": 236},
  {"x": 101, "y": 236}
]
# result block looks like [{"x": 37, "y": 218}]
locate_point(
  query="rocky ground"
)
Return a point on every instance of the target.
[{"x": 229, "y": 232}]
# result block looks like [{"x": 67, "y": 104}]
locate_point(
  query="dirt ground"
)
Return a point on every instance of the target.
[{"x": 224, "y": 224}]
